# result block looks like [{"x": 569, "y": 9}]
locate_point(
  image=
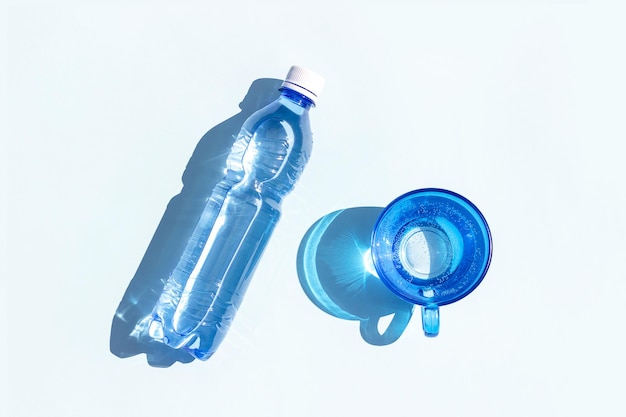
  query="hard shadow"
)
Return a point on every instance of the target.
[
  {"x": 336, "y": 273},
  {"x": 204, "y": 170}
]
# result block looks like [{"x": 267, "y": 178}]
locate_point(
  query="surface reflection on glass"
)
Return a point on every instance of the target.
[{"x": 336, "y": 272}]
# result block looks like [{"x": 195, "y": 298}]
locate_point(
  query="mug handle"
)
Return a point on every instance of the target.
[
  {"x": 370, "y": 333},
  {"x": 430, "y": 320}
]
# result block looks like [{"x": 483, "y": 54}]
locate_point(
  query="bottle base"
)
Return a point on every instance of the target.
[{"x": 191, "y": 343}]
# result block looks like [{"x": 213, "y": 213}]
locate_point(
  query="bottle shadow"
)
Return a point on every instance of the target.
[
  {"x": 336, "y": 273},
  {"x": 206, "y": 167}
]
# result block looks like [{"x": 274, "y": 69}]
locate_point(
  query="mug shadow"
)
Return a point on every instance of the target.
[
  {"x": 336, "y": 273},
  {"x": 206, "y": 167}
]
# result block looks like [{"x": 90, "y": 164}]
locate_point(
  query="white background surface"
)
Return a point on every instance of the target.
[{"x": 519, "y": 107}]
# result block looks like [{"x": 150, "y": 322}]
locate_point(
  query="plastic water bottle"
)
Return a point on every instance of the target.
[{"x": 199, "y": 300}]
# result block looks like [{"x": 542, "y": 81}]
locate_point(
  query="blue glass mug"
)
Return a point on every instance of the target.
[{"x": 431, "y": 247}]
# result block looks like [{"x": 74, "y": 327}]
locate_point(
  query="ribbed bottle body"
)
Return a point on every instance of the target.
[{"x": 201, "y": 296}]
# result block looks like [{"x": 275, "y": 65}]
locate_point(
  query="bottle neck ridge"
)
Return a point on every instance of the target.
[{"x": 297, "y": 98}]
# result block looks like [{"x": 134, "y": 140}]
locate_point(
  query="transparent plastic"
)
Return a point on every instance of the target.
[
  {"x": 431, "y": 247},
  {"x": 199, "y": 300}
]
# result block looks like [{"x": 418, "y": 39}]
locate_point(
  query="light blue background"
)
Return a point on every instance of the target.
[{"x": 518, "y": 106}]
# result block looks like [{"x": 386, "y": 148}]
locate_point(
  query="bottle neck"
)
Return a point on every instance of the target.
[{"x": 297, "y": 98}]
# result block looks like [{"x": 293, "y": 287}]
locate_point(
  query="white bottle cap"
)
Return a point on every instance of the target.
[{"x": 304, "y": 81}]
